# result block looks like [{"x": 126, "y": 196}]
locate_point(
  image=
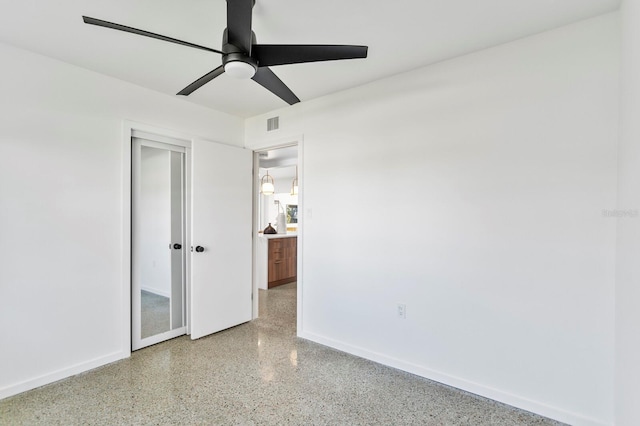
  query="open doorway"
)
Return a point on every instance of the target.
[{"x": 277, "y": 221}]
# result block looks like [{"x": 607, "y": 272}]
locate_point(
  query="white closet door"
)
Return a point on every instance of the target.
[
  {"x": 158, "y": 255},
  {"x": 221, "y": 226}
]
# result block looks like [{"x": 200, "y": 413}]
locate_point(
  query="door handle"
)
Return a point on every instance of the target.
[
  {"x": 199, "y": 249},
  {"x": 177, "y": 246}
]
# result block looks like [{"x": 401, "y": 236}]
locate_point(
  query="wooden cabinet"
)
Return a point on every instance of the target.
[{"x": 283, "y": 261}]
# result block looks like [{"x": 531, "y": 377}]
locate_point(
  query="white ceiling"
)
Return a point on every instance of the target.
[
  {"x": 280, "y": 174},
  {"x": 279, "y": 157},
  {"x": 401, "y": 35}
]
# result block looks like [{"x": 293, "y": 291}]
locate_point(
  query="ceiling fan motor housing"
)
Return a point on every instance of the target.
[
  {"x": 236, "y": 61},
  {"x": 233, "y": 53}
]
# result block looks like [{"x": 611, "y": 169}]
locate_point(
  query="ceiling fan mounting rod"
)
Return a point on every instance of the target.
[{"x": 253, "y": 2}]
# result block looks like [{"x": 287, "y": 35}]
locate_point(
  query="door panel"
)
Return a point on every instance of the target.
[
  {"x": 221, "y": 224},
  {"x": 158, "y": 279}
]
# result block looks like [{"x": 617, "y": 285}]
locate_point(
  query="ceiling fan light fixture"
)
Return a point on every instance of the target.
[{"x": 240, "y": 70}]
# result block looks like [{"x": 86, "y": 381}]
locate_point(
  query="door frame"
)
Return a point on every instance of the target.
[
  {"x": 129, "y": 130},
  {"x": 266, "y": 146}
]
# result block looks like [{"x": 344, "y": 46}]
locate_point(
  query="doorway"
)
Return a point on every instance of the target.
[
  {"x": 277, "y": 257},
  {"x": 158, "y": 291}
]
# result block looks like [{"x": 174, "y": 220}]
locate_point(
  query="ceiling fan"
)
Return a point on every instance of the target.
[{"x": 242, "y": 57}]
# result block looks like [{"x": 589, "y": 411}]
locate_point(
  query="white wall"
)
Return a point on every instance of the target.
[
  {"x": 503, "y": 161},
  {"x": 155, "y": 232},
  {"x": 628, "y": 255},
  {"x": 61, "y": 218}
]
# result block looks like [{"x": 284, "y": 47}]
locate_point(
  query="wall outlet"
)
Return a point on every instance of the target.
[{"x": 402, "y": 310}]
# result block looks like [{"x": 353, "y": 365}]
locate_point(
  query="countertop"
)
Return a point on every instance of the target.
[{"x": 273, "y": 236}]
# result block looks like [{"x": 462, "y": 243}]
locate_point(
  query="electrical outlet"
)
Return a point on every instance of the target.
[{"x": 402, "y": 311}]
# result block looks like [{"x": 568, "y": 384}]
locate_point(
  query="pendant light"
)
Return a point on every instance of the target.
[
  {"x": 294, "y": 184},
  {"x": 267, "y": 184}
]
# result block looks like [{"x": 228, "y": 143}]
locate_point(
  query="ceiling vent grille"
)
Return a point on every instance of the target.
[{"x": 273, "y": 124}]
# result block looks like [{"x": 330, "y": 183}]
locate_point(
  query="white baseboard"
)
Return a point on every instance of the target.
[
  {"x": 457, "y": 382},
  {"x": 60, "y": 374}
]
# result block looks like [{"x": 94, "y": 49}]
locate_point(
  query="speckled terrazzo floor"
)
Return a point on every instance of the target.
[{"x": 258, "y": 373}]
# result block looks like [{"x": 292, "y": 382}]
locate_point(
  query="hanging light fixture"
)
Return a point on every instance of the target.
[
  {"x": 294, "y": 184},
  {"x": 267, "y": 184}
]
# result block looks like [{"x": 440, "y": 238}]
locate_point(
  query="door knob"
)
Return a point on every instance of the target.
[
  {"x": 199, "y": 249},
  {"x": 177, "y": 246}
]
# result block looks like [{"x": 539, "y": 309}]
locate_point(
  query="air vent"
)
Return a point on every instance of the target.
[{"x": 273, "y": 124}]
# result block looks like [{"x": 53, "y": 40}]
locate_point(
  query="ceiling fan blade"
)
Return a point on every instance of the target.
[
  {"x": 283, "y": 54},
  {"x": 201, "y": 81},
  {"x": 239, "y": 23},
  {"x": 106, "y": 24},
  {"x": 267, "y": 79}
]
